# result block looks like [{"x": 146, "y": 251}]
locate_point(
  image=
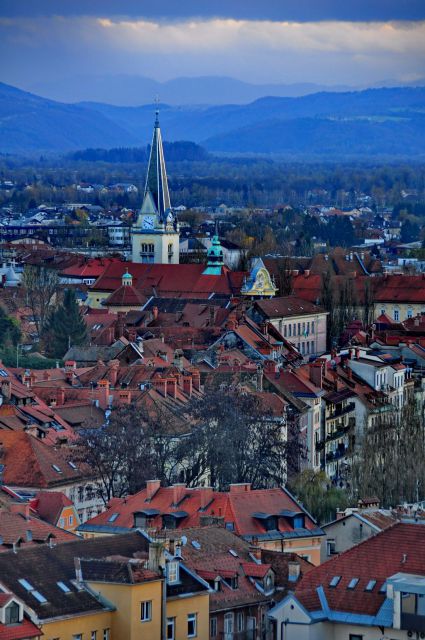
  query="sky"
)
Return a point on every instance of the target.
[{"x": 331, "y": 42}]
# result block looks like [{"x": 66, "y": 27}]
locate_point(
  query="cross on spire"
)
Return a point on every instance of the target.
[{"x": 156, "y": 100}]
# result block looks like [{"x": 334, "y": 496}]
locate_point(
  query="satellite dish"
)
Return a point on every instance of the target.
[{"x": 184, "y": 540}]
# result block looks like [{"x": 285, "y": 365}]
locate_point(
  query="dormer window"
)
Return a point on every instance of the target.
[
  {"x": 173, "y": 572},
  {"x": 12, "y": 613}
]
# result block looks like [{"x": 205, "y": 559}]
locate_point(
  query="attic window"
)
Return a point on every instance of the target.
[
  {"x": 335, "y": 581},
  {"x": 56, "y": 468},
  {"x": 353, "y": 583},
  {"x": 230, "y": 526},
  {"x": 3, "y": 373},
  {"x": 113, "y": 517},
  {"x": 370, "y": 585}
]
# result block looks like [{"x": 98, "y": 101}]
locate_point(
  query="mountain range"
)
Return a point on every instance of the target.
[{"x": 373, "y": 122}]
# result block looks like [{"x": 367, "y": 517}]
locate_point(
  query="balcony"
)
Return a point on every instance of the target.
[
  {"x": 336, "y": 455},
  {"x": 341, "y": 411},
  {"x": 339, "y": 433}
]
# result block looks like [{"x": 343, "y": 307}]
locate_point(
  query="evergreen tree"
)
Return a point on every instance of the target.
[
  {"x": 65, "y": 327},
  {"x": 9, "y": 330}
]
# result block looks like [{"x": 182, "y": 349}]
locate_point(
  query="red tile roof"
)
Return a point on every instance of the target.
[
  {"x": 29, "y": 462},
  {"x": 50, "y": 504},
  {"x": 22, "y": 631},
  {"x": 14, "y": 527},
  {"x": 236, "y": 506},
  {"x": 401, "y": 288},
  {"x": 400, "y": 548},
  {"x": 171, "y": 280},
  {"x": 287, "y": 306},
  {"x": 126, "y": 296}
]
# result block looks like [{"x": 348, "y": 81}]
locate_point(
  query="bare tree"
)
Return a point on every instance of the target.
[
  {"x": 389, "y": 463},
  {"x": 236, "y": 439},
  {"x": 41, "y": 286}
]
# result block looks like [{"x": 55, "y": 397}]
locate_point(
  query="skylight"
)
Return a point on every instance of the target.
[
  {"x": 233, "y": 553},
  {"x": 39, "y": 597},
  {"x": 113, "y": 517},
  {"x": 335, "y": 580},
  {"x": 63, "y": 586},
  {"x": 196, "y": 544},
  {"x": 370, "y": 585},
  {"x": 27, "y": 585},
  {"x": 56, "y": 468},
  {"x": 3, "y": 373},
  {"x": 352, "y": 584},
  {"x": 383, "y": 588},
  {"x": 72, "y": 465}
]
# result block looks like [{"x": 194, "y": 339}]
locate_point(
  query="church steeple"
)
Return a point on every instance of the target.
[
  {"x": 215, "y": 260},
  {"x": 156, "y": 187}
]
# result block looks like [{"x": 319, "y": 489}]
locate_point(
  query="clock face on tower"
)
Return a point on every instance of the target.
[{"x": 148, "y": 222}]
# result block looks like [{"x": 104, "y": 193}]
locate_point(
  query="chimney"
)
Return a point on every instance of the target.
[
  {"x": 161, "y": 386},
  {"x": 306, "y": 272},
  {"x": 60, "y": 396},
  {"x": 70, "y": 365},
  {"x": 113, "y": 373},
  {"x": 240, "y": 487},
  {"x": 206, "y": 495},
  {"x": 255, "y": 550},
  {"x": 156, "y": 556},
  {"x": 78, "y": 572},
  {"x": 196, "y": 380},
  {"x": 152, "y": 487},
  {"x": 6, "y": 389},
  {"x": 155, "y": 312},
  {"x": 316, "y": 373},
  {"x": 357, "y": 353},
  {"x": 187, "y": 385},
  {"x": 270, "y": 366},
  {"x": 103, "y": 393},
  {"x": 178, "y": 491},
  {"x": 124, "y": 397},
  {"x": 172, "y": 387},
  {"x": 294, "y": 569},
  {"x": 21, "y": 508}
]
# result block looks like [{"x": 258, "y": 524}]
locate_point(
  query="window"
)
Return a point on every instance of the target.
[
  {"x": 370, "y": 585},
  {"x": 213, "y": 627},
  {"x": 396, "y": 315},
  {"x": 71, "y": 520},
  {"x": 240, "y": 621},
  {"x": 355, "y": 636},
  {"x": 312, "y": 326},
  {"x": 106, "y": 634},
  {"x": 12, "y": 613},
  {"x": 290, "y": 330},
  {"x": 228, "y": 626},
  {"x": 146, "y": 611},
  {"x": 335, "y": 580},
  {"x": 330, "y": 547},
  {"x": 173, "y": 572},
  {"x": 171, "y": 627},
  {"x": 298, "y": 522},
  {"x": 77, "y": 636},
  {"x": 62, "y": 523},
  {"x": 191, "y": 625},
  {"x": 352, "y": 584},
  {"x": 284, "y": 331},
  {"x": 93, "y": 635}
]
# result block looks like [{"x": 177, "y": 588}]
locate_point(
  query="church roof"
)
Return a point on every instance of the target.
[
  {"x": 156, "y": 179},
  {"x": 126, "y": 296}
]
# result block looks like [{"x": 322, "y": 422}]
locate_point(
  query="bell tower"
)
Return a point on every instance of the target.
[{"x": 155, "y": 235}]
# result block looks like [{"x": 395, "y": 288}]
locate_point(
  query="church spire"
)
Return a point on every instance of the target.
[{"x": 156, "y": 178}]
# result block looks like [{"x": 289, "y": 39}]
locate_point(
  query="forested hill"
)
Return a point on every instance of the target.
[
  {"x": 386, "y": 122},
  {"x": 174, "y": 152}
]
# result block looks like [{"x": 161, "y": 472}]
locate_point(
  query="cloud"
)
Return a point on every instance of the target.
[{"x": 256, "y": 50}]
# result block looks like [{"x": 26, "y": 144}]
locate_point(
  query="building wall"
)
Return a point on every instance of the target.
[
  {"x": 179, "y": 608},
  {"x": 346, "y": 533},
  {"x": 306, "y": 547},
  {"x": 68, "y": 519},
  {"x": 84, "y": 624},
  {"x": 310, "y": 332},
  {"x": 399, "y": 311},
  {"x": 125, "y": 621},
  {"x": 160, "y": 240}
]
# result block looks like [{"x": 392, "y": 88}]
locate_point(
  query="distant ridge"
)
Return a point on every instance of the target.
[{"x": 374, "y": 122}]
